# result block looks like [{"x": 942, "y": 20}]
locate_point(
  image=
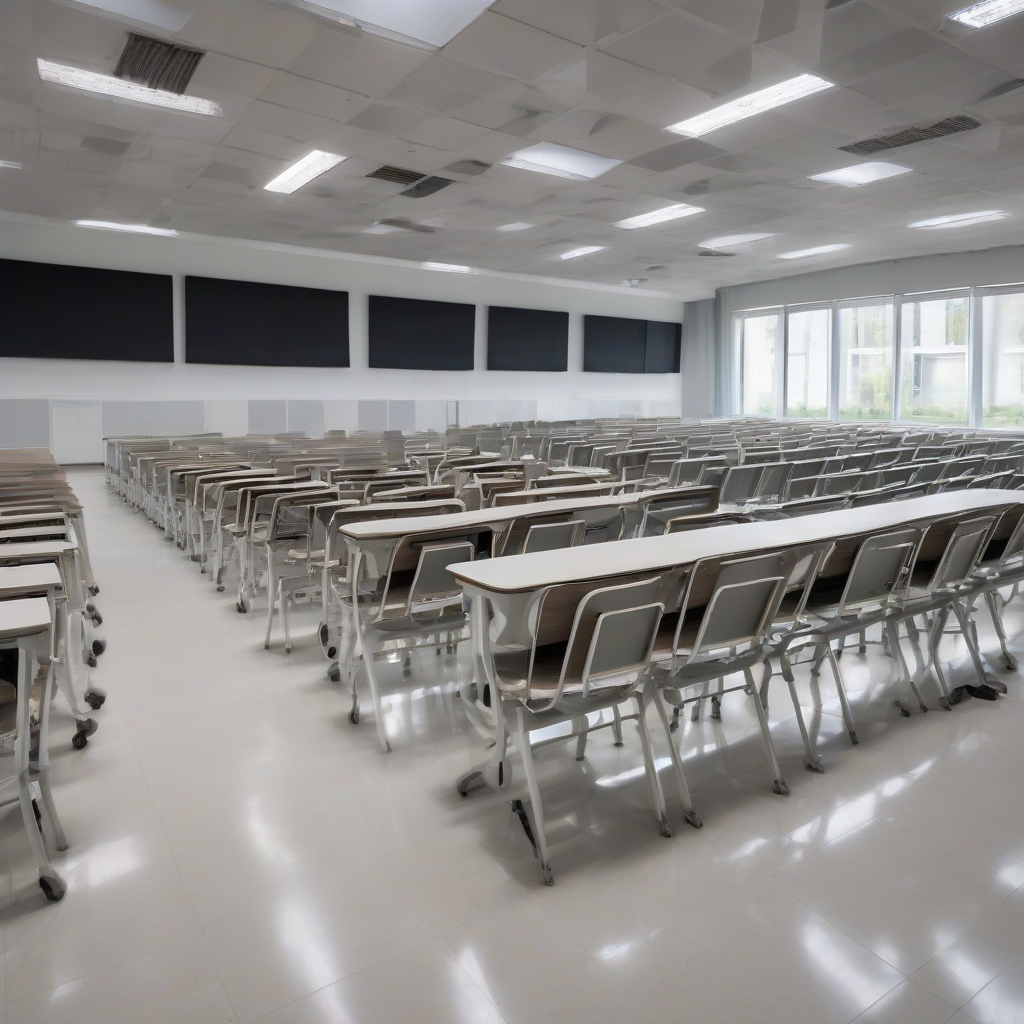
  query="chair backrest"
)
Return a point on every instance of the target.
[
  {"x": 712, "y": 474},
  {"x": 552, "y": 536},
  {"x": 963, "y": 551},
  {"x": 687, "y": 471},
  {"x": 682, "y": 524},
  {"x": 740, "y": 483},
  {"x": 774, "y": 481},
  {"x": 432, "y": 581},
  {"x": 881, "y": 568},
  {"x": 926, "y": 472}
]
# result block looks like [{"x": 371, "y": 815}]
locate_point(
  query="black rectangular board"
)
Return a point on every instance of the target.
[
  {"x": 616, "y": 344},
  {"x": 663, "y": 347},
  {"x": 527, "y": 339},
  {"x": 247, "y": 323},
  {"x": 53, "y": 311},
  {"x": 420, "y": 334}
]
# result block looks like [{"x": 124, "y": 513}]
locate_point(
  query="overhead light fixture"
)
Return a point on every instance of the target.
[
  {"x": 562, "y": 161},
  {"x": 754, "y": 103},
  {"x": 862, "y": 174},
  {"x": 451, "y": 268},
  {"x": 138, "y": 229},
  {"x": 118, "y": 88},
  {"x": 666, "y": 213},
  {"x": 818, "y": 250},
  {"x": 585, "y": 250},
  {"x": 311, "y": 166},
  {"x": 169, "y": 17},
  {"x": 11, "y": 165},
  {"x": 960, "y": 220},
  {"x": 634, "y": 282},
  {"x": 519, "y": 225},
  {"x": 428, "y": 26},
  {"x": 988, "y": 13},
  {"x": 724, "y": 241}
]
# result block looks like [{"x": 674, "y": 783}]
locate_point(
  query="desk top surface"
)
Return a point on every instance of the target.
[
  {"x": 28, "y": 579},
  {"x": 24, "y": 617},
  {"x": 519, "y": 573}
]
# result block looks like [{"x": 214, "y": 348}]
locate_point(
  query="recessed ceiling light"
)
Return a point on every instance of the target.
[
  {"x": 988, "y": 13},
  {"x": 169, "y": 17},
  {"x": 960, "y": 220},
  {"x": 519, "y": 225},
  {"x": 409, "y": 21},
  {"x": 11, "y": 165},
  {"x": 724, "y": 241},
  {"x": 862, "y": 174},
  {"x": 311, "y": 166},
  {"x": 451, "y": 268},
  {"x": 562, "y": 161},
  {"x": 585, "y": 250},
  {"x": 91, "y": 81},
  {"x": 673, "y": 212},
  {"x": 754, "y": 103},
  {"x": 138, "y": 229},
  {"x": 818, "y": 250}
]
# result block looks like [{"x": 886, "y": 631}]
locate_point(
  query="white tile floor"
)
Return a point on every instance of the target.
[{"x": 239, "y": 852}]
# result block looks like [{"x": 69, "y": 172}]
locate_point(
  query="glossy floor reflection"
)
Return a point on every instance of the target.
[{"x": 239, "y": 852}]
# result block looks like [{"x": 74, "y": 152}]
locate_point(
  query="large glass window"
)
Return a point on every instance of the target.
[
  {"x": 1002, "y": 339},
  {"x": 865, "y": 360},
  {"x": 761, "y": 346},
  {"x": 933, "y": 359},
  {"x": 808, "y": 340}
]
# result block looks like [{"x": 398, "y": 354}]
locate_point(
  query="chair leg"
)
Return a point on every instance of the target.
[
  {"x": 371, "y": 677},
  {"x": 778, "y": 782},
  {"x": 689, "y": 814},
  {"x": 970, "y": 637},
  {"x": 812, "y": 760},
  {"x": 765, "y": 680},
  {"x": 695, "y": 713},
  {"x": 43, "y": 765},
  {"x": 934, "y": 639},
  {"x": 522, "y": 740},
  {"x": 580, "y": 730},
  {"x": 906, "y": 680},
  {"x": 992, "y": 603},
  {"x": 285, "y": 600},
  {"x": 617, "y": 725},
  {"x": 716, "y": 699},
  {"x": 844, "y": 702},
  {"x": 651, "y": 768},
  {"x": 273, "y": 593}
]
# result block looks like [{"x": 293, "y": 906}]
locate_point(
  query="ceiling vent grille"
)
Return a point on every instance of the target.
[
  {"x": 426, "y": 187},
  {"x": 156, "y": 64},
  {"x": 399, "y": 175},
  {"x": 914, "y": 133}
]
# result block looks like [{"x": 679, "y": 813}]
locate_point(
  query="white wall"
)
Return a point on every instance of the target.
[{"x": 482, "y": 395}]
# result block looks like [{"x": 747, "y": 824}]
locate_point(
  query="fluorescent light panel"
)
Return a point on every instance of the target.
[
  {"x": 754, "y": 103},
  {"x": 960, "y": 220},
  {"x": 169, "y": 17},
  {"x": 311, "y": 166},
  {"x": 724, "y": 241},
  {"x": 519, "y": 225},
  {"x": 138, "y": 229},
  {"x": 818, "y": 250},
  {"x": 107, "y": 85},
  {"x": 585, "y": 250},
  {"x": 562, "y": 161},
  {"x": 862, "y": 174},
  {"x": 666, "y": 213},
  {"x": 451, "y": 268},
  {"x": 988, "y": 13}
]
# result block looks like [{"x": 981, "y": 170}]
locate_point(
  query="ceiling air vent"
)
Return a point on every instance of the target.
[
  {"x": 910, "y": 134},
  {"x": 156, "y": 64},
  {"x": 399, "y": 175},
  {"x": 426, "y": 187}
]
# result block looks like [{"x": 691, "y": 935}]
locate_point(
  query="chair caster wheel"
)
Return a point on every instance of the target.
[
  {"x": 79, "y": 740},
  {"x": 97, "y": 619},
  {"x": 94, "y": 589},
  {"x": 904, "y": 712},
  {"x": 220, "y": 588},
  {"x": 99, "y": 646},
  {"x": 95, "y": 700},
  {"x": 242, "y": 607},
  {"x": 53, "y": 888},
  {"x": 353, "y": 717},
  {"x": 780, "y": 787},
  {"x": 287, "y": 648},
  {"x": 90, "y": 660},
  {"x": 334, "y": 674},
  {"x": 332, "y": 652}
]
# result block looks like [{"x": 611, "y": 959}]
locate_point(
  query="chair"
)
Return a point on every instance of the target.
[
  {"x": 552, "y": 536},
  {"x": 730, "y": 637},
  {"x": 1007, "y": 569},
  {"x": 605, "y": 663}
]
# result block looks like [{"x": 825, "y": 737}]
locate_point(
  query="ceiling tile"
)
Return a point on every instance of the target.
[
  {"x": 381, "y": 117},
  {"x": 886, "y": 53},
  {"x": 932, "y": 72},
  {"x": 287, "y": 90},
  {"x": 255, "y": 32},
  {"x": 291, "y": 124},
  {"x": 510, "y": 47},
  {"x": 446, "y": 133},
  {"x": 676, "y": 154},
  {"x": 228, "y": 74},
  {"x": 441, "y": 84},
  {"x": 582, "y": 21},
  {"x": 740, "y": 16}
]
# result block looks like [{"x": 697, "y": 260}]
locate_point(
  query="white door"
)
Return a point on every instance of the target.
[{"x": 77, "y": 432}]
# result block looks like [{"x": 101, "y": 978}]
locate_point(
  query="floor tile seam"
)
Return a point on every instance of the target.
[{"x": 959, "y": 1006}]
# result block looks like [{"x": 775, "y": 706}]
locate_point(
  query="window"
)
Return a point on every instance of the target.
[
  {"x": 865, "y": 360},
  {"x": 1002, "y": 340},
  {"x": 808, "y": 339},
  {"x": 761, "y": 342},
  {"x": 933, "y": 359}
]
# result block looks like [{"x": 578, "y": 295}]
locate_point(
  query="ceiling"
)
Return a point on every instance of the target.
[{"x": 605, "y": 76}]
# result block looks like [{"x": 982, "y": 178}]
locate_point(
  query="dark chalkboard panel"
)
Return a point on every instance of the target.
[
  {"x": 527, "y": 339},
  {"x": 417, "y": 334}
]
